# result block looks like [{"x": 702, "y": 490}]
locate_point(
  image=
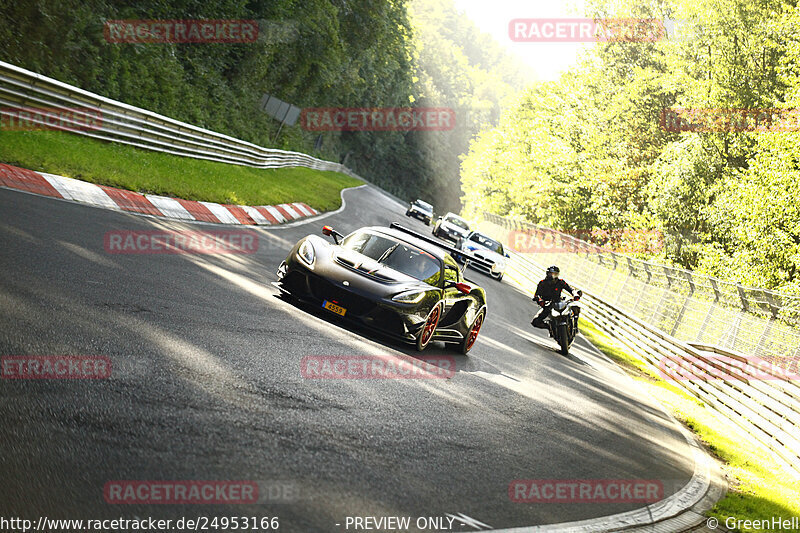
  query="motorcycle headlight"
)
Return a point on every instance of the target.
[
  {"x": 306, "y": 253},
  {"x": 409, "y": 297},
  {"x": 554, "y": 313}
]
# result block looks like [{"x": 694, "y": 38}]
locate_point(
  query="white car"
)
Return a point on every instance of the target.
[
  {"x": 487, "y": 249},
  {"x": 451, "y": 226},
  {"x": 421, "y": 210}
]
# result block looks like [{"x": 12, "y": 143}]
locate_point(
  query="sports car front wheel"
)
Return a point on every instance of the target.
[
  {"x": 429, "y": 328},
  {"x": 469, "y": 341}
]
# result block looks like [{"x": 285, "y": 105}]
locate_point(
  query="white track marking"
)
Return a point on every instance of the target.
[
  {"x": 299, "y": 208},
  {"x": 292, "y": 212},
  {"x": 255, "y": 215},
  {"x": 81, "y": 191},
  {"x": 219, "y": 211},
  {"x": 170, "y": 207},
  {"x": 274, "y": 212}
]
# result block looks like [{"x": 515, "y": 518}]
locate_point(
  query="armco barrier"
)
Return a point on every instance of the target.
[
  {"x": 122, "y": 123},
  {"x": 766, "y": 410}
]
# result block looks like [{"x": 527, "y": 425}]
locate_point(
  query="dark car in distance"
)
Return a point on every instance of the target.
[
  {"x": 393, "y": 280},
  {"x": 451, "y": 227},
  {"x": 421, "y": 210}
]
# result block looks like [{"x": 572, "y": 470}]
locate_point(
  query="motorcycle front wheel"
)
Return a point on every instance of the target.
[{"x": 563, "y": 339}]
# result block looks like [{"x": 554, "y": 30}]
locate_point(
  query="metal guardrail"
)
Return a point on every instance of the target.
[
  {"x": 687, "y": 305},
  {"x": 767, "y": 411},
  {"x": 122, "y": 123}
]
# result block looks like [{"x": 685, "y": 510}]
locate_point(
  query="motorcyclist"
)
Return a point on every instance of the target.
[{"x": 548, "y": 291}]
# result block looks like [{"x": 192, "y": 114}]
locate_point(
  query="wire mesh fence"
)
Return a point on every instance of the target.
[{"x": 691, "y": 307}]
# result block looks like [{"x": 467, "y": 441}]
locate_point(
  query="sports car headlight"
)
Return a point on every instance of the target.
[
  {"x": 306, "y": 253},
  {"x": 409, "y": 297}
]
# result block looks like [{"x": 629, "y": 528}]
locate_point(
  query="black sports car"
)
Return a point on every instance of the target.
[{"x": 394, "y": 280}]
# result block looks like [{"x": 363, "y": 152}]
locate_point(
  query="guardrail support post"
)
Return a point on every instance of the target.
[
  {"x": 644, "y": 285},
  {"x": 759, "y": 350},
  {"x": 664, "y": 292},
  {"x": 711, "y": 309},
  {"x": 686, "y": 301},
  {"x": 742, "y": 297}
]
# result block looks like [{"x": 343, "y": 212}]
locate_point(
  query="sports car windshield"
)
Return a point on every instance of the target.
[
  {"x": 486, "y": 242},
  {"x": 458, "y": 222},
  {"x": 396, "y": 255},
  {"x": 422, "y": 205}
]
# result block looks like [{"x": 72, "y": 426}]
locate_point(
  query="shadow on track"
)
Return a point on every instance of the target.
[{"x": 463, "y": 362}]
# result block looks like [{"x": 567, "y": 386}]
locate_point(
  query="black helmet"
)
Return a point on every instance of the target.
[{"x": 553, "y": 269}]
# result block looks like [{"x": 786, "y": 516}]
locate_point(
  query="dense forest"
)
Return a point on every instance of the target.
[
  {"x": 590, "y": 152},
  {"x": 314, "y": 53}
]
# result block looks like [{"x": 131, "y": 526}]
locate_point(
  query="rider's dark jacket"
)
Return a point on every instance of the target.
[{"x": 549, "y": 289}]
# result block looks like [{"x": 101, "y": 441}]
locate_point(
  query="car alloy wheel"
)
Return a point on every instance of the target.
[
  {"x": 472, "y": 336},
  {"x": 429, "y": 328}
]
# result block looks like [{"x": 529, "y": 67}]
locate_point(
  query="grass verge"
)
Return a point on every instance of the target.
[
  {"x": 126, "y": 167},
  {"x": 760, "y": 488}
]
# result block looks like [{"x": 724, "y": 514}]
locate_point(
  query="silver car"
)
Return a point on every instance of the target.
[
  {"x": 421, "y": 210},
  {"x": 452, "y": 227},
  {"x": 485, "y": 248}
]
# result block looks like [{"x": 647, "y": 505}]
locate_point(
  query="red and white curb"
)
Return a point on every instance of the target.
[{"x": 159, "y": 206}]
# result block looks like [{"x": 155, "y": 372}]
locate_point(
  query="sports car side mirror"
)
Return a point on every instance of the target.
[
  {"x": 463, "y": 288},
  {"x": 330, "y": 232},
  {"x": 506, "y": 254}
]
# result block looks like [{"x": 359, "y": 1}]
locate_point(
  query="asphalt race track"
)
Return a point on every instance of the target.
[{"x": 206, "y": 385}]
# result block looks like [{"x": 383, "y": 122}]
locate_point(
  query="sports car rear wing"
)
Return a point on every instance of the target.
[{"x": 468, "y": 257}]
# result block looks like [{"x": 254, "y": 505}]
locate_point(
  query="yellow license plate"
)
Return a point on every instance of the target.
[{"x": 333, "y": 307}]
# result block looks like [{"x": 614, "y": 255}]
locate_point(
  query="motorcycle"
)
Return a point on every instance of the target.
[{"x": 562, "y": 321}]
